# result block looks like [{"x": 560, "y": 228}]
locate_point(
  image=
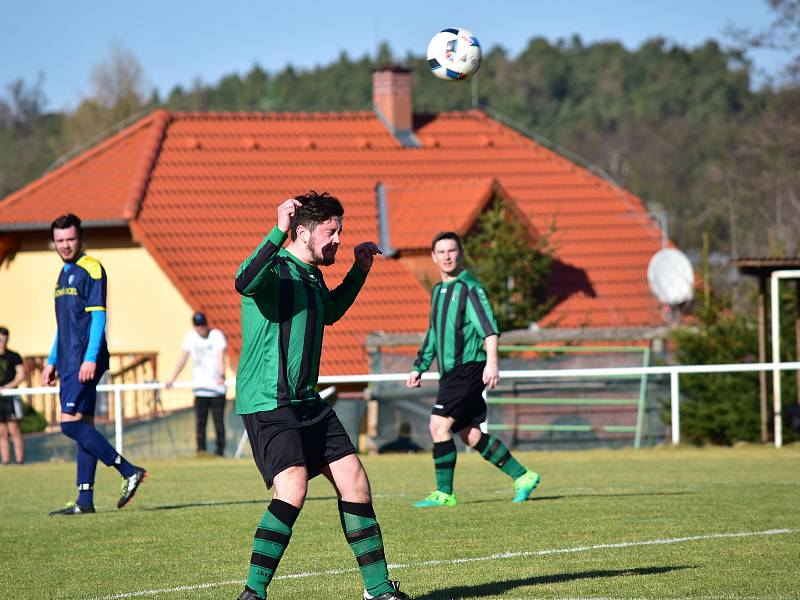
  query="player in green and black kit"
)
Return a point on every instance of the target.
[
  {"x": 294, "y": 435},
  {"x": 463, "y": 336}
]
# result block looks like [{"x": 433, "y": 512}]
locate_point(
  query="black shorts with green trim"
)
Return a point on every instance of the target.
[
  {"x": 310, "y": 435},
  {"x": 461, "y": 396}
]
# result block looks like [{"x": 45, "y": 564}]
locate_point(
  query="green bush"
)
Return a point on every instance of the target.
[
  {"x": 32, "y": 419},
  {"x": 720, "y": 408},
  {"x": 723, "y": 408}
]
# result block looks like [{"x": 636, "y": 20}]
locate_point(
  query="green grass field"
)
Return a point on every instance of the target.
[{"x": 603, "y": 524}]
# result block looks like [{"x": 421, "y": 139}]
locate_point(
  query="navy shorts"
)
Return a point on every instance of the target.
[
  {"x": 461, "y": 396},
  {"x": 289, "y": 436},
  {"x": 77, "y": 397}
]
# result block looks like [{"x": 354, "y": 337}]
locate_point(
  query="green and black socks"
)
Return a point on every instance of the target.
[
  {"x": 269, "y": 542},
  {"x": 444, "y": 464},
  {"x": 363, "y": 534},
  {"x": 495, "y": 451}
]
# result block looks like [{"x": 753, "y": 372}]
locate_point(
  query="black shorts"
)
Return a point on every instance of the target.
[
  {"x": 10, "y": 409},
  {"x": 461, "y": 396},
  {"x": 291, "y": 436}
]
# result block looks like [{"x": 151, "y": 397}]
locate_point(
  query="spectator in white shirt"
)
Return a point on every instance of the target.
[{"x": 207, "y": 347}]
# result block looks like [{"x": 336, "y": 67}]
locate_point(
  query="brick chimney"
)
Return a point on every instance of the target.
[{"x": 391, "y": 100}]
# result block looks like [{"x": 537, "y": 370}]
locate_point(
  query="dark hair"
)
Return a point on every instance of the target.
[
  {"x": 446, "y": 235},
  {"x": 4, "y": 331},
  {"x": 315, "y": 208},
  {"x": 65, "y": 222}
]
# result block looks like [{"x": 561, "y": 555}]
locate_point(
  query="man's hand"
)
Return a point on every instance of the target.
[
  {"x": 414, "y": 379},
  {"x": 285, "y": 213},
  {"x": 87, "y": 371},
  {"x": 168, "y": 384},
  {"x": 48, "y": 375},
  {"x": 491, "y": 376},
  {"x": 363, "y": 254}
]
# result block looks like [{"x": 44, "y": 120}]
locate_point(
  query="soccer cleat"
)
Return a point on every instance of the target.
[
  {"x": 524, "y": 485},
  {"x": 249, "y": 594},
  {"x": 437, "y": 498},
  {"x": 395, "y": 594},
  {"x": 73, "y": 508},
  {"x": 129, "y": 486}
]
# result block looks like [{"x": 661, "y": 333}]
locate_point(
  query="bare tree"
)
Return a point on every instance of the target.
[
  {"x": 782, "y": 34},
  {"x": 119, "y": 90}
]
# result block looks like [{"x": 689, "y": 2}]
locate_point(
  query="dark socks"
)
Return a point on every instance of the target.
[
  {"x": 364, "y": 537},
  {"x": 271, "y": 538},
  {"x": 444, "y": 464},
  {"x": 495, "y": 451},
  {"x": 87, "y": 465},
  {"x": 96, "y": 445}
]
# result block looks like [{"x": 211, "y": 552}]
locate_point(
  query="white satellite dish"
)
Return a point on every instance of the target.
[{"x": 671, "y": 277}]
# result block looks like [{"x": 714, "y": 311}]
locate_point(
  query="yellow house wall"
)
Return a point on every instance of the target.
[{"x": 146, "y": 313}]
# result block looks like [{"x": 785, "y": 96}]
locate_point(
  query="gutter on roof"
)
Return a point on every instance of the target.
[
  {"x": 382, "y": 207},
  {"x": 45, "y": 225}
]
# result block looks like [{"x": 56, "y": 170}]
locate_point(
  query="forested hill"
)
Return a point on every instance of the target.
[{"x": 678, "y": 126}]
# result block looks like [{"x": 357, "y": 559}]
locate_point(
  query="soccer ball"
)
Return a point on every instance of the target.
[{"x": 454, "y": 54}]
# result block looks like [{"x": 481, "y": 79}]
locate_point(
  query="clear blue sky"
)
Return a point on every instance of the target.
[{"x": 177, "y": 41}]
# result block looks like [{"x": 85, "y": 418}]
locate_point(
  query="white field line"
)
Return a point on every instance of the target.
[{"x": 456, "y": 561}]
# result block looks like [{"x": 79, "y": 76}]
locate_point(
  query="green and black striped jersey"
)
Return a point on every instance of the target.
[
  {"x": 285, "y": 306},
  {"x": 461, "y": 318}
]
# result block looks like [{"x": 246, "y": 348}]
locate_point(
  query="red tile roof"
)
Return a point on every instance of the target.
[
  {"x": 200, "y": 190},
  {"x": 103, "y": 185},
  {"x": 446, "y": 206}
]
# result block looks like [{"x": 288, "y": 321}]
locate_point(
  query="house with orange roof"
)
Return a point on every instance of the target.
[{"x": 174, "y": 202}]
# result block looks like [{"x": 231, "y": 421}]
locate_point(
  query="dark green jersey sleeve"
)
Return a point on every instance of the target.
[
  {"x": 479, "y": 312},
  {"x": 337, "y": 301},
  {"x": 255, "y": 270},
  {"x": 426, "y": 353},
  {"x": 428, "y": 348}
]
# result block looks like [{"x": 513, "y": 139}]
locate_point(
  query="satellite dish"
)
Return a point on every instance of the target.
[{"x": 671, "y": 277}]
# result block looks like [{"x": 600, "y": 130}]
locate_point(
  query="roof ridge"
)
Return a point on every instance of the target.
[
  {"x": 476, "y": 181},
  {"x": 80, "y": 159},
  {"x": 266, "y": 115},
  {"x": 141, "y": 178}
]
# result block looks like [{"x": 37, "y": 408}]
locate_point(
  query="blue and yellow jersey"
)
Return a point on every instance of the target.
[{"x": 81, "y": 289}]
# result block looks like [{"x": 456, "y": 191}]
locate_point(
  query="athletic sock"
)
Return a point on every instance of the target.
[
  {"x": 125, "y": 468},
  {"x": 95, "y": 444},
  {"x": 444, "y": 464},
  {"x": 271, "y": 538},
  {"x": 363, "y": 534},
  {"x": 495, "y": 451},
  {"x": 87, "y": 466}
]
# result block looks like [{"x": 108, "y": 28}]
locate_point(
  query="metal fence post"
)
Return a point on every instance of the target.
[
  {"x": 675, "y": 398},
  {"x": 118, "y": 418}
]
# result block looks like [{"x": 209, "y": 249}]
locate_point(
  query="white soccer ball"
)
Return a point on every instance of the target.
[{"x": 454, "y": 54}]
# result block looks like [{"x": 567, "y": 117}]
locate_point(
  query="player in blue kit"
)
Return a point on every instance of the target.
[{"x": 80, "y": 357}]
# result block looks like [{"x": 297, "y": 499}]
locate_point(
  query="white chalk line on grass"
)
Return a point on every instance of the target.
[{"x": 457, "y": 561}]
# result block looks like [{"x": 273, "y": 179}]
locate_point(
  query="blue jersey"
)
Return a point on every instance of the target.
[{"x": 81, "y": 289}]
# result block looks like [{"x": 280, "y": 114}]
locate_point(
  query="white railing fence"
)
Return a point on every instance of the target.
[{"x": 674, "y": 372}]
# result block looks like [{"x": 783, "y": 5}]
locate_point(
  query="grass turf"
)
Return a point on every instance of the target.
[{"x": 192, "y": 521}]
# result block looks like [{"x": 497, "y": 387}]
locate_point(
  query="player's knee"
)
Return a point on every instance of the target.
[
  {"x": 470, "y": 436},
  {"x": 291, "y": 486},
  {"x": 72, "y": 429}
]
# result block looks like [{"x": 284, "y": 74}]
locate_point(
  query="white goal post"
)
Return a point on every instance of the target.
[{"x": 775, "y": 318}]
